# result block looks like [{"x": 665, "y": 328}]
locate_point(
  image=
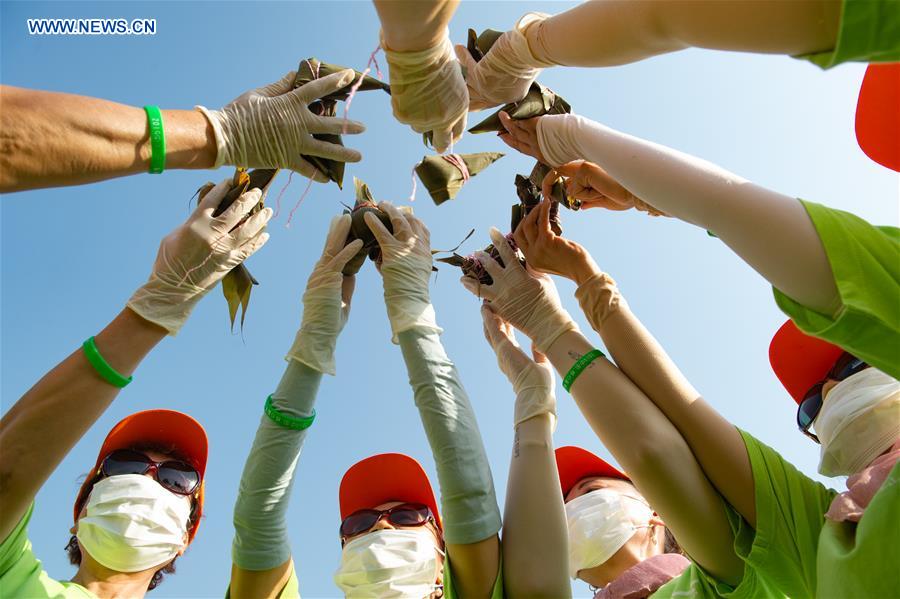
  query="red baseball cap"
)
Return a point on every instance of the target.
[
  {"x": 878, "y": 115},
  {"x": 574, "y": 463},
  {"x": 382, "y": 478},
  {"x": 800, "y": 360},
  {"x": 167, "y": 428}
]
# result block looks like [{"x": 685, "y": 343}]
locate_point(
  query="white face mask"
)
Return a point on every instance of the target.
[
  {"x": 389, "y": 563},
  {"x": 132, "y": 523},
  {"x": 600, "y": 523},
  {"x": 859, "y": 420}
]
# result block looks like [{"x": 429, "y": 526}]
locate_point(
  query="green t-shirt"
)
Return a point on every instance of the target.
[
  {"x": 292, "y": 589},
  {"x": 865, "y": 260},
  {"x": 21, "y": 574},
  {"x": 696, "y": 582},
  {"x": 869, "y": 32},
  {"x": 805, "y": 555}
]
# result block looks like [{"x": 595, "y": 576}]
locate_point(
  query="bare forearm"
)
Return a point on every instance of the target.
[
  {"x": 653, "y": 453},
  {"x": 615, "y": 32},
  {"x": 715, "y": 442},
  {"x": 409, "y": 25},
  {"x": 789, "y": 255},
  {"x": 535, "y": 537},
  {"x": 50, "y": 139},
  {"x": 60, "y": 408}
]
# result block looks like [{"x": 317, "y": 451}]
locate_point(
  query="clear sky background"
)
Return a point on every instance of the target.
[{"x": 71, "y": 257}]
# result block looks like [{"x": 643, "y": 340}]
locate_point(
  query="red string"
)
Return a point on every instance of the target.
[
  {"x": 287, "y": 225},
  {"x": 281, "y": 193},
  {"x": 357, "y": 85}
]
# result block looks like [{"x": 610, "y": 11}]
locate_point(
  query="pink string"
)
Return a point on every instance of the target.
[
  {"x": 287, "y": 225},
  {"x": 357, "y": 85},
  {"x": 212, "y": 253},
  {"x": 457, "y": 161},
  {"x": 281, "y": 193}
]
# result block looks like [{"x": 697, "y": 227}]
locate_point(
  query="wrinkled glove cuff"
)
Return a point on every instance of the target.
[
  {"x": 599, "y": 297},
  {"x": 533, "y": 396},
  {"x": 551, "y": 327},
  {"x": 528, "y": 20},
  {"x": 165, "y": 306},
  {"x": 316, "y": 350},
  {"x": 215, "y": 120}
]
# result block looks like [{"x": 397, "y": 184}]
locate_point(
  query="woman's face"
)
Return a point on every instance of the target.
[
  {"x": 645, "y": 543},
  {"x": 384, "y": 524}
]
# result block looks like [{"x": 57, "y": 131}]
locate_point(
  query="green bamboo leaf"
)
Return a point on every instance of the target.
[{"x": 443, "y": 180}]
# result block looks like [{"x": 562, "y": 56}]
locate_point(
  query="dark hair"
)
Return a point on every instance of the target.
[
  {"x": 671, "y": 544},
  {"x": 73, "y": 549}
]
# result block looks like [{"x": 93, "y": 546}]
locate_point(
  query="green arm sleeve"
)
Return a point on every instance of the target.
[
  {"x": 468, "y": 503},
  {"x": 260, "y": 527}
]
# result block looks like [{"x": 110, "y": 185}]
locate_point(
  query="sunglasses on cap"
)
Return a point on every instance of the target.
[
  {"x": 174, "y": 475},
  {"x": 844, "y": 367},
  {"x": 405, "y": 514}
]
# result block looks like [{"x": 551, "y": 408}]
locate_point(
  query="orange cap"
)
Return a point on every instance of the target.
[
  {"x": 878, "y": 115},
  {"x": 799, "y": 360},
  {"x": 574, "y": 463},
  {"x": 382, "y": 478},
  {"x": 167, "y": 428}
]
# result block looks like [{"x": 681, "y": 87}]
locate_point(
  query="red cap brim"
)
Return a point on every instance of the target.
[
  {"x": 800, "y": 360},
  {"x": 878, "y": 115},
  {"x": 574, "y": 463},
  {"x": 382, "y": 478},
  {"x": 166, "y": 428}
]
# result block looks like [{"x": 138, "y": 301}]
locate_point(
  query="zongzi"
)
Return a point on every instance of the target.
[
  {"x": 539, "y": 101},
  {"x": 444, "y": 175},
  {"x": 359, "y": 229}
]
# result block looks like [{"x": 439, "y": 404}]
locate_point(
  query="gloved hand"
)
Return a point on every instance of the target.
[
  {"x": 326, "y": 302},
  {"x": 428, "y": 92},
  {"x": 270, "y": 127},
  {"x": 525, "y": 299},
  {"x": 532, "y": 380},
  {"x": 196, "y": 255},
  {"x": 506, "y": 71},
  {"x": 406, "y": 269}
]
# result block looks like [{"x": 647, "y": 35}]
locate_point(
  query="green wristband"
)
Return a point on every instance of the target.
[
  {"x": 297, "y": 424},
  {"x": 157, "y": 140},
  {"x": 102, "y": 367},
  {"x": 582, "y": 363}
]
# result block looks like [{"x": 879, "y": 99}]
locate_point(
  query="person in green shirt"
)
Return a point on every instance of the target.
[
  {"x": 470, "y": 520},
  {"x": 792, "y": 534},
  {"x": 140, "y": 505},
  {"x": 834, "y": 274}
]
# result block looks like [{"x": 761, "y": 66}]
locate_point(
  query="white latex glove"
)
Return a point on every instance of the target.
[
  {"x": 406, "y": 269},
  {"x": 326, "y": 302},
  {"x": 527, "y": 300},
  {"x": 532, "y": 380},
  {"x": 270, "y": 127},
  {"x": 196, "y": 255},
  {"x": 428, "y": 92},
  {"x": 506, "y": 71}
]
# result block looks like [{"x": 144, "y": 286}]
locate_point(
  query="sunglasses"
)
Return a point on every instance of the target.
[
  {"x": 405, "y": 514},
  {"x": 174, "y": 475},
  {"x": 845, "y": 367}
]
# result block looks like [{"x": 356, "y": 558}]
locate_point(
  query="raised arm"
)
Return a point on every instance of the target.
[
  {"x": 638, "y": 434},
  {"x": 606, "y": 33},
  {"x": 50, "y": 139},
  {"x": 535, "y": 534},
  {"x": 715, "y": 442},
  {"x": 261, "y": 552},
  {"x": 428, "y": 91},
  {"x": 64, "y": 404},
  {"x": 790, "y": 254},
  {"x": 468, "y": 503}
]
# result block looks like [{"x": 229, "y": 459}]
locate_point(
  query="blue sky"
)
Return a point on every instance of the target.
[{"x": 71, "y": 257}]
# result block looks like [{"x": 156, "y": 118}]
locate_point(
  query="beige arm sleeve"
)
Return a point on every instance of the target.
[{"x": 770, "y": 231}]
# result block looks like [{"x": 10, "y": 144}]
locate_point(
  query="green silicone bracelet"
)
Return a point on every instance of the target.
[
  {"x": 157, "y": 140},
  {"x": 102, "y": 367},
  {"x": 582, "y": 363},
  {"x": 297, "y": 424}
]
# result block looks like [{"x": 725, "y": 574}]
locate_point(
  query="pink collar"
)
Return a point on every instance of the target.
[
  {"x": 643, "y": 579},
  {"x": 850, "y": 505}
]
